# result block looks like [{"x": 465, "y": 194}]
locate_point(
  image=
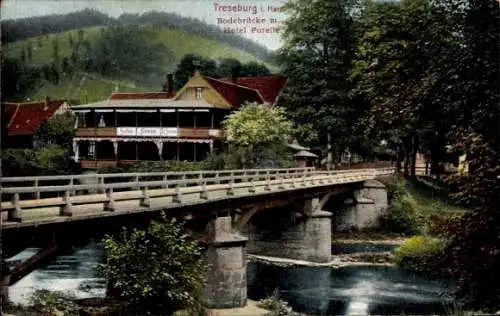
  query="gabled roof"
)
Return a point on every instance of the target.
[
  {"x": 24, "y": 118},
  {"x": 141, "y": 95},
  {"x": 269, "y": 87},
  {"x": 235, "y": 94}
]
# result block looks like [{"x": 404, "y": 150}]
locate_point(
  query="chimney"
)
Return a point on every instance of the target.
[
  {"x": 170, "y": 84},
  {"x": 234, "y": 73}
]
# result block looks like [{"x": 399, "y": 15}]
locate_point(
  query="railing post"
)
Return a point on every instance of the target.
[
  {"x": 216, "y": 178},
  {"x": 16, "y": 214},
  {"x": 230, "y": 191},
  {"x": 72, "y": 183},
  {"x": 282, "y": 183},
  {"x": 267, "y": 187},
  {"x": 109, "y": 205},
  {"x": 137, "y": 185},
  {"x": 37, "y": 193},
  {"x": 177, "y": 198},
  {"x": 252, "y": 186},
  {"x": 204, "y": 191},
  {"x": 66, "y": 209},
  {"x": 145, "y": 201},
  {"x": 165, "y": 182},
  {"x": 183, "y": 178}
]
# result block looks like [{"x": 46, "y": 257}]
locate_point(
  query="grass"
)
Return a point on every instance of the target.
[
  {"x": 431, "y": 201},
  {"x": 82, "y": 87}
]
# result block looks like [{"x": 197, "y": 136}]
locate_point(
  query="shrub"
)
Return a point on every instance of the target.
[
  {"x": 402, "y": 216},
  {"x": 418, "y": 254},
  {"x": 45, "y": 301},
  {"x": 158, "y": 271},
  {"x": 276, "y": 306},
  {"x": 396, "y": 186}
]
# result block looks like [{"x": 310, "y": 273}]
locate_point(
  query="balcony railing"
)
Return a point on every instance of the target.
[{"x": 149, "y": 132}]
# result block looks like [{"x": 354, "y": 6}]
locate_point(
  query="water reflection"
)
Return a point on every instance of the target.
[
  {"x": 315, "y": 291},
  {"x": 72, "y": 271},
  {"x": 352, "y": 290}
]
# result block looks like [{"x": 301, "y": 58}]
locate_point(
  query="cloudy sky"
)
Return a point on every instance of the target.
[{"x": 202, "y": 9}]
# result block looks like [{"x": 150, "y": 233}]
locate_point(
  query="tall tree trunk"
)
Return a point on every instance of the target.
[
  {"x": 399, "y": 158},
  {"x": 414, "y": 150},
  {"x": 407, "y": 150}
]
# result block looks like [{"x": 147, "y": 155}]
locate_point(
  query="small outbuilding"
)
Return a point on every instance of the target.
[{"x": 305, "y": 158}]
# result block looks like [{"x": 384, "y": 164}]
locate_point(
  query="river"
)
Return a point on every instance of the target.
[{"x": 350, "y": 290}]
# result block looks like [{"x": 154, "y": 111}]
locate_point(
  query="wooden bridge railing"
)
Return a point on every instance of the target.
[{"x": 202, "y": 183}]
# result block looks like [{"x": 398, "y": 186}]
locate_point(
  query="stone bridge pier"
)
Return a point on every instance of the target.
[
  {"x": 301, "y": 231},
  {"x": 226, "y": 283}
]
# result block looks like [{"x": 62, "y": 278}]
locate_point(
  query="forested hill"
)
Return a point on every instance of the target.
[{"x": 21, "y": 29}]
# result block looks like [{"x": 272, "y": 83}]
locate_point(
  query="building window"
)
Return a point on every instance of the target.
[
  {"x": 199, "y": 92},
  {"x": 92, "y": 150}
]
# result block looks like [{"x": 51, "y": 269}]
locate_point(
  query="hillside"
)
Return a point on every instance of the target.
[
  {"x": 177, "y": 41},
  {"x": 85, "y": 88}
]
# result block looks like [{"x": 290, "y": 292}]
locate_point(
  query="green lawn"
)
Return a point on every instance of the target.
[{"x": 432, "y": 201}]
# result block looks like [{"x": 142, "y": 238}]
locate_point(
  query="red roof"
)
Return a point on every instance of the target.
[
  {"x": 141, "y": 95},
  {"x": 24, "y": 118},
  {"x": 235, "y": 94},
  {"x": 268, "y": 86}
]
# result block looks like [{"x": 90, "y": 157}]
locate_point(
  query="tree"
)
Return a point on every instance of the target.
[
  {"x": 59, "y": 130},
  {"x": 127, "y": 52},
  {"x": 30, "y": 51},
  {"x": 319, "y": 41},
  {"x": 189, "y": 64},
  {"x": 158, "y": 270},
  {"x": 398, "y": 69},
  {"x": 227, "y": 65},
  {"x": 254, "y": 69},
  {"x": 260, "y": 132}
]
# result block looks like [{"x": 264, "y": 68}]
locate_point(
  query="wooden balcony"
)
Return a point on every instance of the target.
[
  {"x": 200, "y": 133},
  {"x": 97, "y": 164},
  {"x": 96, "y": 132}
]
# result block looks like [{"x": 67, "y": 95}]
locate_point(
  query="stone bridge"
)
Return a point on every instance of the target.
[{"x": 274, "y": 212}]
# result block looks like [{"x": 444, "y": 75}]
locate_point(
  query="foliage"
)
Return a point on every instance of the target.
[
  {"x": 18, "y": 80},
  {"x": 189, "y": 64},
  {"x": 158, "y": 271},
  {"x": 473, "y": 252},
  {"x": 276, "y": 306},
  {"x": 48, "y": 160},
  {"x": 46, "y": 301},
  {"x": 59, "y": 130},
  {"x": 19, "y": 29},
  {"x": 255, "y": 124},
  {"x": 319, "y": 41},
  {"x": 416, "y": 254},
  {"x": 120, "y": 52},
  {"x": 402, "y": 216}
]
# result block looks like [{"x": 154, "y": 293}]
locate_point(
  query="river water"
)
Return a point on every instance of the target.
[{"x": 351, "y": 290}]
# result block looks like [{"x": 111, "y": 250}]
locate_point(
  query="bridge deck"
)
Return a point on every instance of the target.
[{"x": 145, "y": 196}]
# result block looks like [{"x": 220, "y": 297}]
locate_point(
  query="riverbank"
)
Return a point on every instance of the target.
[{"x": 366, "y": 259}]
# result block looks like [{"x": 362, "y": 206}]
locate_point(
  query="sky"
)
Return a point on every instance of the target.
[{"x": 210, "y": 11}]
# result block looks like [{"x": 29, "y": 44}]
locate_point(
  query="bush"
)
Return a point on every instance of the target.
[
  {"x": 47, "y": 160},
  {"x": 45, "y": 301},
  {"x": 158, "y": 271},
  {"x": 418, "y": 254},
  {"x": 402, "y": 216},
  {"x": 276, "y": 306}
]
